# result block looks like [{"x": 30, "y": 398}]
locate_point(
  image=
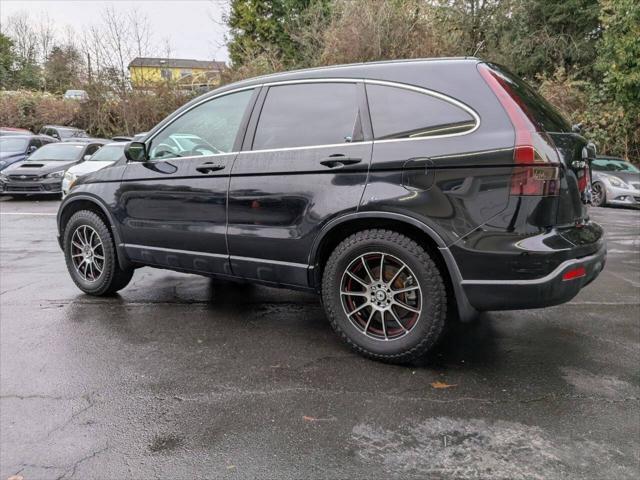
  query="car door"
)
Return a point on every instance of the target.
[
  {"x": 172, "y": 208},
  {"x": 304, "y": 161}
]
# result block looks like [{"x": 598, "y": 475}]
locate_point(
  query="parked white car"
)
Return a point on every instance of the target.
[{"x": 107, "y": 155}]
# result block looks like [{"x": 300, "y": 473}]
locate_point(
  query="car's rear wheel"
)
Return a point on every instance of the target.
[
  {"x": 598, "y": 195},
  {"x": 90, "y": 255},
  {"x": 384, "y": 295}
]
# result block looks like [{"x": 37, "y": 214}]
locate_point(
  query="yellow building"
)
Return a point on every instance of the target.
[{"x": 147, "y": 72}]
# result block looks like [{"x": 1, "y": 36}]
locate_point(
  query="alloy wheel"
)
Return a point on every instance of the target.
[
  {"x": 87, "y": 253},
  {"x": 381, "y": 296},
  {"x": 596, "y": 194}
]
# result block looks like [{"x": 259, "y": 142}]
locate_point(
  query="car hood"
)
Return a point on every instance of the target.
[
  {"x": 88, "y": 167},
  {"x": 627, "y": 177},
  {"x": 7, "y": 158},
  {"x": 10, "y": 155},
  {"x": 36, "y": 167}
]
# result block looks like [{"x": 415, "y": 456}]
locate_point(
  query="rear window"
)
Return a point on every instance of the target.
[
  {"x": 71, "y": 133},
  {"x": 308, "y": 114},
  {"x": 401, "y": 113},
  {"x": 540, "y": 112},
  {"x": 13, "y": 144}
]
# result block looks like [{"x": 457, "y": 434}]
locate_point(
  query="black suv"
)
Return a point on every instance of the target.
[{"x": 400, "y": 191}]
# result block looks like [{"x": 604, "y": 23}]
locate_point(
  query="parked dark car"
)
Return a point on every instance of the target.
[
  {"x": 16, "y": 148},
  {"x": 400, "y": 191},
  {"x": 42, "y": 171},
  {"x": 615, "y": 182},
  {"x": 4, "y": 131},
  {"x": 61, "y": 133}
]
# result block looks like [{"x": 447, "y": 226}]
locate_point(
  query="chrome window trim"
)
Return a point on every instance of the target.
[
  {"x": 424, "y": 91},
  {"x": 327, "y": 145}
]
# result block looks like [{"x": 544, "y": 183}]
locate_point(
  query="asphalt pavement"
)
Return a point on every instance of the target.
[{"x": 183, "y": 377}]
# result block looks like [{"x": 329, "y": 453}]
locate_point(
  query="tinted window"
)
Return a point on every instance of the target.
[
  {"x": 401, "y": 113},
  {"x": 207, "y": 129},
  {"x": 58, "y": 151},
  {"x": 539, "y": 111},
  {"x": 308, "y": 114}
]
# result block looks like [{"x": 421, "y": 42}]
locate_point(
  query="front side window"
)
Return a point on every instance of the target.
[
  {"x": 400, "y": 113},
  {"x": 208, "y": 129},
  {"x": 308, "y": 114}
]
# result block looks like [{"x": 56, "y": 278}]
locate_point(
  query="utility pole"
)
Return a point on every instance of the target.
[{"x": 89, "y": 66}]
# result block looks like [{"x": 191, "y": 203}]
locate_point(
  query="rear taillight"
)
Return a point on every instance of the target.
[
  {"x": 574, "y": 273},
  {"x": 537, "y": 169}
]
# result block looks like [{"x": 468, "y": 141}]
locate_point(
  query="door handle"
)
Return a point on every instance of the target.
[
  {"x": 210, "y": 167},
  {"x": 339, "y": 160}
]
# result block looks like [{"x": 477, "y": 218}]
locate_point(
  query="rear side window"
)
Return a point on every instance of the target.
[
  {"x": 400, "y": 113},
  {"x": 308, "y": 114}
]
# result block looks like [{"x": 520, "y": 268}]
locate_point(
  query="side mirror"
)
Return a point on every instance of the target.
[
  {"x": 136, "y": 152},
  {"x": 32, "y": 149},
  {"x": 86, "y": 157},
  {"x": 55, "y": 135}
]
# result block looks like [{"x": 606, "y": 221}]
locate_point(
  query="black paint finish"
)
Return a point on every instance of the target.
[{"x": 269, "y": 215}]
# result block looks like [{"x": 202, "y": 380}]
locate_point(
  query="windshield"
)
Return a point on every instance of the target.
[
  {"x": 58, "y": 152},
  {"x": 13, "y": 144},
  {"x": 611, "y": 165},
  {"x": 109, "y": 153}
]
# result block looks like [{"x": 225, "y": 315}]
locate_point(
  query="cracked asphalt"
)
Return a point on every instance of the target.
[{"x": 184, "y": 377}]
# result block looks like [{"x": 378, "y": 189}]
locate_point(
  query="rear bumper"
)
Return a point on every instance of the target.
[{"x": 552, "y": 289}]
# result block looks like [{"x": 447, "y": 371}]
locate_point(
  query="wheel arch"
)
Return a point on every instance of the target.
[
  {"x": 339, "y": 229},
  {"x": 80, "y": 202}
]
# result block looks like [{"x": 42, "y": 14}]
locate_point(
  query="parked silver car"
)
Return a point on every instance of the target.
[{"x": 615, "y": 182}]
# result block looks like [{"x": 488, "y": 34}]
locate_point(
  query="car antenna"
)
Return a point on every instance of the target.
[{"x": 478, "y": 48}]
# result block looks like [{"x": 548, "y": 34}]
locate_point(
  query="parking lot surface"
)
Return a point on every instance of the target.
[{"x": 184, "y": 377}]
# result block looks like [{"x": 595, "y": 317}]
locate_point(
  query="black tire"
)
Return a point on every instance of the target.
[
  {"x": 429, "y": 326},
  {"x": 599, "y": 194},
  {"x": 112, "y": 278}
]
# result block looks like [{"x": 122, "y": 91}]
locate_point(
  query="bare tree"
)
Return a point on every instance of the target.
[
  {"x": 140, "y": 33},
  {"x": 23, "y": 35}
]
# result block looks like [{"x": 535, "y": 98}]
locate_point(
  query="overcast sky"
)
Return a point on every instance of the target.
[{"x": 188, "y": 25}]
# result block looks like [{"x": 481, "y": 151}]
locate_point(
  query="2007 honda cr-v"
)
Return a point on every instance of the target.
[{"x": 398, "y": 190}]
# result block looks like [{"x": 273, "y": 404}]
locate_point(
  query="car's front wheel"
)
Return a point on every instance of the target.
[
  {"x": 598, "y": 195},
  {"x": 384, "y": 295},
  {"x": 90, "y": 255}
]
